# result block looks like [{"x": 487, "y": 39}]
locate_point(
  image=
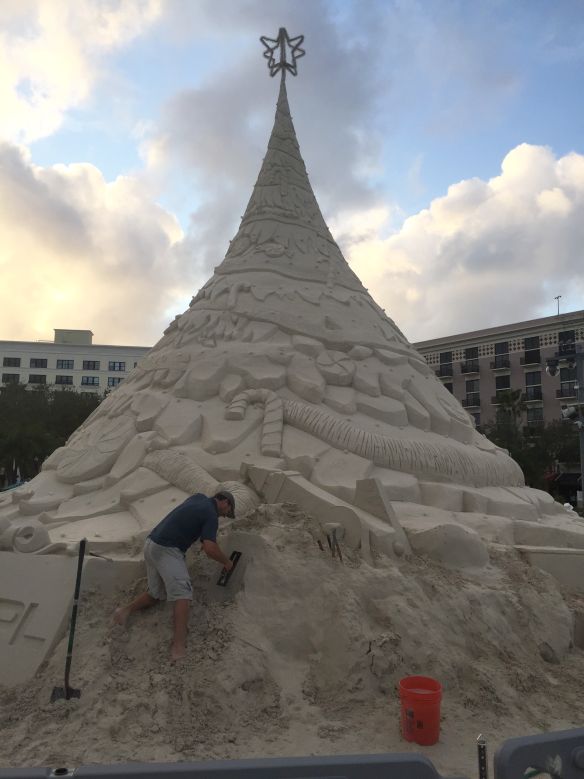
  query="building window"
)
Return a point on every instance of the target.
[
  {"x": 63, "y": 379},
  {"x": 534, "y": 415},
  {"x": 501, "y": 355},
  {"x": 567, "y": 342},
  {"x": 90, "y": 365},
  {"x": 471, "y": 360},
  {"x": 473, "y": 397},
  {"x": 38, "y": 362},
  {"x": 502, "y": 384},
  {"x": 113, "y": 381},
  {"x": 532, "y": 354},
  {"x": 65, "y": 365},
  {"x": 532, "y": 386},
  {"x": 10, "y": 378},
  {"x": 448, "y": 385},
  {"x": 445, "y": 368},
  {"x": 90, "y": 381},
  {"x": 476, "y": 415},
  {"x": 117, "y": 366},
  {"x": 37, "y": 378},
  {"x": 11, "y": 362},
  {"x": 567, "y": 382}
]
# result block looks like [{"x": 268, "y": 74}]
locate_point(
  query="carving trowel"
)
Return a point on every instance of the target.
[{"x": 226, "y": 575}]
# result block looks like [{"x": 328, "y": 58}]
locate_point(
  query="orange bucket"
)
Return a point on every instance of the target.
[{"x": 420, "y": 698}]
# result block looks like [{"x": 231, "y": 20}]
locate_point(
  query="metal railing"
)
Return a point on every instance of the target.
[
  {"x": 469, "y": 366},
  {"x": 557, "y": 754},
  {"x": 531, "y": 394},
  {"x": 472, "y": 400},
  {"x": 567, "y": 390},
  {"x": 500, "y": 361}
]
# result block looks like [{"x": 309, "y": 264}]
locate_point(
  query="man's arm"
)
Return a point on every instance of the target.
[{"x": 213, "y": 550}]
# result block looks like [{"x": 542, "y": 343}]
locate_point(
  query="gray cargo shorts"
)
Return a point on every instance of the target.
[{"x": 166, "y": 569}]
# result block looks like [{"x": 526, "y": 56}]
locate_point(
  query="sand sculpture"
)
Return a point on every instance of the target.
[{"x": 284, "y": 381}]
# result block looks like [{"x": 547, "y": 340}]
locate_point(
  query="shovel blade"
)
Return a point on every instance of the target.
[{"x": 62, "y": 693}]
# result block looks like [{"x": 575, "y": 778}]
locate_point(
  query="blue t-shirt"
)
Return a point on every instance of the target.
[{"x": 196, "y": 518}]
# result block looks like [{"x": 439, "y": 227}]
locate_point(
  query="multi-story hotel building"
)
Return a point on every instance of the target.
[
  {"x": 477, "y": 366},
  {"x": 70, "y": 360}
]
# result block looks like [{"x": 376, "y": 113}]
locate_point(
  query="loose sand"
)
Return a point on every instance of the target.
[{"x": 305, "y": 659}]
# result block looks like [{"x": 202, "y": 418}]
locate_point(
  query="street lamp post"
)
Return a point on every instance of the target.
[{"x": 574, "y": 412}]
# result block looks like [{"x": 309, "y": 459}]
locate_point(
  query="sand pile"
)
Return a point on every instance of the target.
[{"x": 305, "y": 659}]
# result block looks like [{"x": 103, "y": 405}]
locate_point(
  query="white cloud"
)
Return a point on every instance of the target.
[
  {"x": 50, "y": 56},
  {"x": 79, "y": 252},
  {"x": 486, "y": 253}
]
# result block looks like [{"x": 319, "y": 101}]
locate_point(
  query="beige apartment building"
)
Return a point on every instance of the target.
[
  {"x": 71, "y": 360},
  {"x": 477, "y": 366}
]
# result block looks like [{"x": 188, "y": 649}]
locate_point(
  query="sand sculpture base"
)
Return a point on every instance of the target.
[{"x": 379, "y": 518}]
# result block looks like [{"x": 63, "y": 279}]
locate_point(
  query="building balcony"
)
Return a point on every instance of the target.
[
  {"x": 567, "y": 390},
  {"x": 469, "y": 366},
  {"x": 531, "y": 358},
  {"x": 445, "y": 370},
  {"x": 472, "y": 400},
  {"x": 531, "y": 394},
  {"x": 496, "y": 399},
  {"x": 500, "y": 362}
]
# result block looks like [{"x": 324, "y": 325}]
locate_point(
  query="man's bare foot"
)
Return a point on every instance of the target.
[
  {"x": 178, "y": 653},
  {"x": 121, "y": 616}
]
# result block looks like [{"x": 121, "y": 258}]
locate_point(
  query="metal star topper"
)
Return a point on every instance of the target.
[{"x": 282, "y": 52}]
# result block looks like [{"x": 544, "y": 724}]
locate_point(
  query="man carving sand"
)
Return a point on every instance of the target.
[{"x": 164, "y": 552}]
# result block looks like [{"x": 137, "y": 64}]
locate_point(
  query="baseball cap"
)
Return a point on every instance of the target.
[{"x": 225, "y": 495}]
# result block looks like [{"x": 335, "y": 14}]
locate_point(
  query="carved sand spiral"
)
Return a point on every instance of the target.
[{"x": 445, "y": 460}]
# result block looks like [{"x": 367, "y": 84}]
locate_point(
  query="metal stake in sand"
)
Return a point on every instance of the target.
[
  {"x": 68, "y": 692},
  {"x": 482, "y": 756}
]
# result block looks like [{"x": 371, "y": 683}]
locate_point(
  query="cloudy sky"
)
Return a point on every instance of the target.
[{"x": 444, "y": 141}]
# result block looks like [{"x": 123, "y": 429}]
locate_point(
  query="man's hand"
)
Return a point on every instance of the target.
[{"x": 214, "y": 551}]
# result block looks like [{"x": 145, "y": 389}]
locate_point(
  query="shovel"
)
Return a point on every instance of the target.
[{"x": 67, "y": 692}]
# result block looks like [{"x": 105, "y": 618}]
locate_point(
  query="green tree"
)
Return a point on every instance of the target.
[
  {"x": 538, "y": 453},
  {"x": 34, "y": 422},
  {"x": 506, "y": 431}
]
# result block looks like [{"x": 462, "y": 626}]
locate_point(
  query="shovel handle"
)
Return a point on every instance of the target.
[{"x": 82, "y": 545}]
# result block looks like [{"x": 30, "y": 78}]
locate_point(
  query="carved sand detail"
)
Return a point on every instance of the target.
[
  {"x": 273, "y": 425},
  {"x": 180, "y": 471},
  {"x": 444, "y": 459}
]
